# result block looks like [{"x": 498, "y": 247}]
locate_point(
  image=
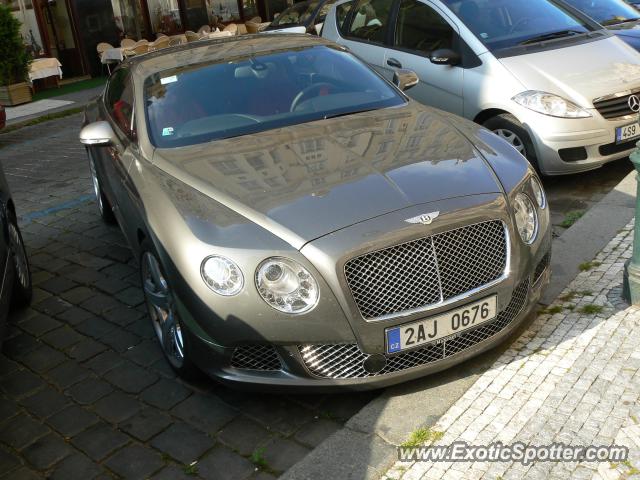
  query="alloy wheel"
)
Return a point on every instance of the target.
[
  {"x": 161, "y": 309},
  {"x": 512, "y": 138},
  {"x": 19, "y": 256}
]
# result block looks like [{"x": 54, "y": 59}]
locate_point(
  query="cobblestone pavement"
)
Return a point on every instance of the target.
[
  {"x": 572, "y": 377},
  {"x": 84, "y": 389}
]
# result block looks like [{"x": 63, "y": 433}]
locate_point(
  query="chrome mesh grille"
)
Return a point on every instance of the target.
[
  {"x": 427, "y": 271},
  {"x": 614, "y": 107},
  {"x": 346, "y": 360},
  {"x": 256, "y": 357}
]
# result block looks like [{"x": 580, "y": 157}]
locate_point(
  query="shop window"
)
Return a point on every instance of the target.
[
  {"x": 165, "y": 16},
  {"x": 127, "y": 15},
  {"x": 198, "y": 13},
  {"x": 226, "y": 10},
  {"x": 24, "y": 12},
  {"x": 250, "y": 9}
]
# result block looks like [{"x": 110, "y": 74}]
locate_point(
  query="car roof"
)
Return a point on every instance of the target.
[{"x": 220, "y": 49}]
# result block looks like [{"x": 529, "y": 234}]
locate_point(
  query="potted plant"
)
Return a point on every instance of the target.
[{"x": 14, "y": 61}]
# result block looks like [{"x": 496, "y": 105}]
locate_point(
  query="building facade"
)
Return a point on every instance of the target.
[{"x": 70, "y": 30}]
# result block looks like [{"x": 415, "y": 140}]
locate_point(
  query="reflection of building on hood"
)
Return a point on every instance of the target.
[{"x": 277, "y": 166}]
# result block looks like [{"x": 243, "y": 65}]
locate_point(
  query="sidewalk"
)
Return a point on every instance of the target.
[
  {"x": 30, "y": 111},
  {"x": 572, "y": 377}
]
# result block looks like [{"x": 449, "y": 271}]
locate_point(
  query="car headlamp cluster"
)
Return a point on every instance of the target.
[
  {"x": 538, "y": 193},
  {"x": 550, "y": 104},
  {"x": 286, "y": 285},
  {"x": 283, "y": 283},
  {"x": 526, "y": 217},
  {"x": 222, "y": 275}
]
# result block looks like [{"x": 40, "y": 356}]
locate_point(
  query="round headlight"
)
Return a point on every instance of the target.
[
  {"x": 526, "y": 217},
  {"x": 222, "y": 275},
  {"x": 538, "y": 192},
  {"x": 286, "y": 285}
]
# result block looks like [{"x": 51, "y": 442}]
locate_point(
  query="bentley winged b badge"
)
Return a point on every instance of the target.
[{"x": 425, "y": 218}]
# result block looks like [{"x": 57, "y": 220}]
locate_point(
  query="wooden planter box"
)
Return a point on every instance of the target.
[{"x": 15, "y": 94}]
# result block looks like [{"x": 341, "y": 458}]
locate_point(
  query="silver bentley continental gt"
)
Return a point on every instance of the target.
[{"x": 300, "y": 222}]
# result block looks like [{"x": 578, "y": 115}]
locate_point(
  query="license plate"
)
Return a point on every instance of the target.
[
  {"x": 432, "y": 329},
  {"x": 627, "y": 132}
]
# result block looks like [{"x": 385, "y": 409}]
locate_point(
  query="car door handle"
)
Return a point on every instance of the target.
[{"x": 392, "y": 62}]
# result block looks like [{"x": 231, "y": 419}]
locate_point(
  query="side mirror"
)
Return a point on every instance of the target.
[
  {"x": 405, "y": 79},
  {"x": 444, "y": 56},
  {"x": 97, "y": 133}
]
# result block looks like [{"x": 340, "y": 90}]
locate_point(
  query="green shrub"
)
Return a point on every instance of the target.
[{"x": 14, "y": 60}]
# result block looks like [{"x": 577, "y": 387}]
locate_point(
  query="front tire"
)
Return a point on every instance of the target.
[
  {"x": 22, "y": 288},
  {"x": 165, "y": 320},
  {"x": 106, "y": 212},
  {"x": 507, "y": 127}
]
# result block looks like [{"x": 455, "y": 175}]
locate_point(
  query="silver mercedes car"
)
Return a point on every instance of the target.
[{"x": 300, "y": 222}]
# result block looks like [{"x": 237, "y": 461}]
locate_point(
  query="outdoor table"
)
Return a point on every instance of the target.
[
  {"x": 43, "y": 68},
  {"x": 112, "y": 55}
]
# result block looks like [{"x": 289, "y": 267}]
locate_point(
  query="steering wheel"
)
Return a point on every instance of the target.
[
  {"x": 306, "y": 92},
  {"x": 519, "y": 23}
]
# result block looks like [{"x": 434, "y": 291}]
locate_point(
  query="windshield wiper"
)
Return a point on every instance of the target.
[
  {"x": 551, "y": 36},
  {"x": 344, "y": 114},
  {"x": 608, "y": 23}
]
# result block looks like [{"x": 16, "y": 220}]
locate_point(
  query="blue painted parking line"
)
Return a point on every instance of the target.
[{"x": 27, "y": 218}]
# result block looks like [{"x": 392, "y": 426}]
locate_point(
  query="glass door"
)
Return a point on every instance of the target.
[
  {"x": 165, "y": 16},
  {"x": 59, "y": 37}
]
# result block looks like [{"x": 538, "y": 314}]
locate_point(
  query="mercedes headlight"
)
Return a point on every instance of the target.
[
  {"x": 550, "y": 104},
  {"x": 222, "y": 275},
  {"x": 538, "y": 192},
  {"x": 286, "y": 285},
  {"x": 526, "y": 218}
]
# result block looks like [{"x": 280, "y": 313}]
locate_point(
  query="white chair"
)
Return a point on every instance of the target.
[
  {"x": 101, "y": 48},
  {"x": 220, "y": 34},
  {"x": 136, "y": 50},
  {"x": 127, "y": 43},
  {"x": 232, "y": 27}
]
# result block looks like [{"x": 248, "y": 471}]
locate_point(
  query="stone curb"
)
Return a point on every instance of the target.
[
  {"x": 79, "y": 98},
  {"x": 366, "y": 446},
  {"x": 582, "y": 242},
  {"x": 22, "y": 122}
]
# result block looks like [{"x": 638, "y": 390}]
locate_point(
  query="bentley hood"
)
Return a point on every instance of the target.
[
  {"x": 579, "y": 72},
  {"x": 308, "y": 180}
]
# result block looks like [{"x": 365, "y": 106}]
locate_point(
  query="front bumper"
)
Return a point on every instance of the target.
[
  {"x": 565, "y": 146},
  {"x": 269, "y": 367}
]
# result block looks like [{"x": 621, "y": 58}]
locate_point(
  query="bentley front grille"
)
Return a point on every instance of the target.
[
  {"x": 429, "y": 270},
  {"x": 347, "y": 360},
  {"x": 256, "y": 357}
]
